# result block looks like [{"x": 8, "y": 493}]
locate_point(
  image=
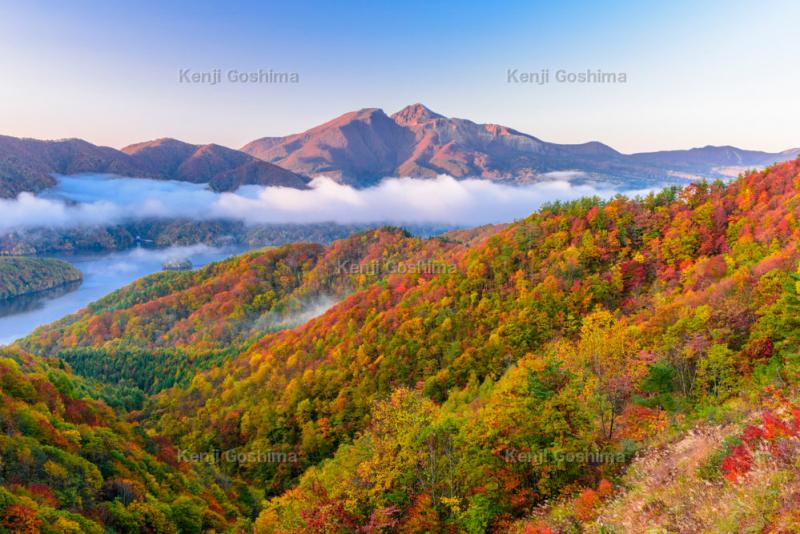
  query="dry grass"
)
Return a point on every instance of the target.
[{"x": 666, "y": 493}]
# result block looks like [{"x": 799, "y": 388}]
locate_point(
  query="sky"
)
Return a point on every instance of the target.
[{"x": 697, "y": 73}]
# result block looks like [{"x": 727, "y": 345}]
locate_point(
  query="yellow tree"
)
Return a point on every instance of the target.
[{"x": 609, "y": 357}]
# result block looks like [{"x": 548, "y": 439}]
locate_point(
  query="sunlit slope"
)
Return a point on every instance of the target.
[
  {"x": 505, "y": 370},
  {"x": 603, "y": 322},
  {"x": 71, "y": 464}
]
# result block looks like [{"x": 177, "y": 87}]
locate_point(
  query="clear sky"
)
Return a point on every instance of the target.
[{"x": 710, "y": 72}]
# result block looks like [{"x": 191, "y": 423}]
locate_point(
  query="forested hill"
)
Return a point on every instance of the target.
[
  {"x": 511, "y": 389},
  {"x": 71, "y": 464},
  {"x": 160, "y": 330},
  {"x": 22, "y": 276},
  {"x": 466, "y": 399}
]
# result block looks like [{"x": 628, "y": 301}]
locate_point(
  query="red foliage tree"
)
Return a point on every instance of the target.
[
  {"x": 20, "y": 519},
  {"x": 586, "y": 504},
  {"x": 737, "y": 463}
]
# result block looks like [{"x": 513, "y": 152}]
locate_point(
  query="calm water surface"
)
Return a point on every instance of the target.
[{"x": 102, "y": 274}]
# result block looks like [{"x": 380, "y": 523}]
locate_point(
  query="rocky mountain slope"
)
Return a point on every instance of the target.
[
  {"x": 361, "y": 147},
  {"x": 224, "y": 168},
  {"x": 29, "y": 164}
]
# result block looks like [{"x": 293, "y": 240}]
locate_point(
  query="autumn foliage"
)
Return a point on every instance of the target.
[{"x": 455, "y": 400}]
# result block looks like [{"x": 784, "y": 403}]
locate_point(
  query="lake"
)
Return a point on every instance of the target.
[{"x": 102, "y": 274}]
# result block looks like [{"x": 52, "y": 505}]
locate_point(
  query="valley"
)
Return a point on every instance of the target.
[
  {"x": 399, "y": 267},
  {"x": 508, "y": 391}
]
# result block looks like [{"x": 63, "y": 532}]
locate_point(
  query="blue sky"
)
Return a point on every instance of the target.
[{"x": 698, "y": 73}]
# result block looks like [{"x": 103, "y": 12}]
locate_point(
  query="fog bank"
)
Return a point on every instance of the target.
[{"x": 92, "y": 200}]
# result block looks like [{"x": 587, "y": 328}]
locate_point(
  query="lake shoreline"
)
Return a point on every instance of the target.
[
  {"x": 25, "y": 276},
  {"x": 102, "y": 273}
]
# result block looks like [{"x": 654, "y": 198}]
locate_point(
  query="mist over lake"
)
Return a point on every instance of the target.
[
  {"x": 99, "y": 199},
  {"x": 94, "y": 200}
]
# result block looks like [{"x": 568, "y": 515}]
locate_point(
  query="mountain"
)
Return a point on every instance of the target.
[
  {"x": 364, "y": 146},
  {"x": 708, "y": 158},
  {"x": 28, "y": 164},
  {"x": 224, "y": 168},
  {"x": 361, "y": 146},
  {"x": 598, "y": 366}
]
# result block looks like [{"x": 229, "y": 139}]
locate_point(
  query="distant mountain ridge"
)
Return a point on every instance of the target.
[
  {"x": 224, "y": 168},
  {"x": 720, "y": 155},
  {"x": 29, "y": 164},
  {"x": 363, "y": 146}
]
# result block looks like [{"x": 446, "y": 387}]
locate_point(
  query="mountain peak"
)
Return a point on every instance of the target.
[
  {"x": 363, "y": 113},
  {"x": 164, "y": 143},
  {"x": 360, "y": 115},
  {"x": 415, "y": 114},
  {"x": 363, "y": 146}
]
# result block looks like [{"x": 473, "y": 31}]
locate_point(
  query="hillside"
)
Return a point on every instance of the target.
[
  {"x": 586, "y": 332},
  {"x": 71, "y": 464},
  {"x": 29, "y": 164},
  {"x": 363, "y": 146},
  {"x": 223, "y": 168},
  {"x": 509, "y": 391},
  {"x": 191, "y": 319},
  {"x": 180, "y": 232},
  {"x": 22, "y": 276}
]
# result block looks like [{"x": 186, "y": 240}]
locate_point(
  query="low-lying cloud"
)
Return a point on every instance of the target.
[
  {"x": 107, "y": 200},
  {"x": 297, "y": 314},
  {"x": 141, "y": 260}
]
